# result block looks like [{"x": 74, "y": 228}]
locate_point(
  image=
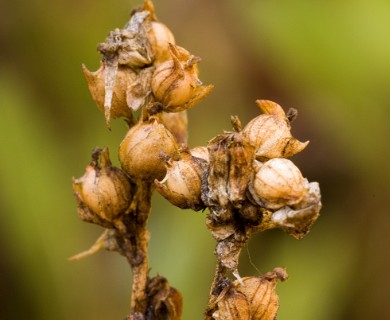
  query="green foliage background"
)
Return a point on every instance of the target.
[{"x": 328, "y": 59}]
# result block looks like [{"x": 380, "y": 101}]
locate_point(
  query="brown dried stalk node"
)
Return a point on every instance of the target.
[{"x": 242, "y": 176}]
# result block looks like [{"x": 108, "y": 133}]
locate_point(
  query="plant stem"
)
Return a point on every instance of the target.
[{"x": 134, "y": 244}]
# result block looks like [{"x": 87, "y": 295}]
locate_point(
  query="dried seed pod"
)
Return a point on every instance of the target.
[
  {"x": 164, "y": 301},
  {"x": 139, "y": 152},
  {"x": 159, "y": 36},
  {"x": 182, "y": 183},
  {"x": 104, "y": 189},
  {"x": 201, "y": 153},
  {"x": 123, "y": 80},
  {"x": 277, "y": 183},
  {"x": 175, "y": 82},
  {"x": 260, "y": 294},
  {"x": 270, "y": 133},
  {"x": 176, "y": 123},
  {"x": 232, "y": 305}
]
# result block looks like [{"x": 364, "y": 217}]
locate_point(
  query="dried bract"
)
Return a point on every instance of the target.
[
  {"x": 175, "y": 82},
  {"x": 297, "y": 220},
  {"x": 139, "y": 152},
  {"x": 278, "y": 183},
  {"x": 270, "y": 133},
  {"x": 182, "y": 183},
  {"x": 104, "y": 189}
]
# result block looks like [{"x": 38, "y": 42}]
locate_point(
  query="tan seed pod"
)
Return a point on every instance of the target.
[
  {"x": 270, "y": 133},
  {"x": 277, "y": 183},
  {"x": 104, "y": 189},
  {"x": 175, "y": 82},
  {"x": 232, "y": 305},
  {"x": 139, "y": 152},
  {"x": 183, "y": 181},
  {"x": 124, "y": 79},
  {"x": 159, "y": 35},
  {"x": 261, "y": 295},
  {"x": 176, "y": 123}
]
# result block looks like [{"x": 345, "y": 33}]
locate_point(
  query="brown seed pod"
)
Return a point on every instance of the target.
[
  {"x": 270, "y": 133},
  {"x": 139, "y": 152},
  {"x": 232, "y": 305},
  {"x": 176, "y": 123},
  {"x": 123, "y": 80},
  {"x": 175, "y": 82},
  {"x": 104, "y": 189},
  {"x": 164, "y": 301},
  {"x": 183, "y": 181},
  {"x": 260, "y": 294},
  {"x": 277, "y": 183}
]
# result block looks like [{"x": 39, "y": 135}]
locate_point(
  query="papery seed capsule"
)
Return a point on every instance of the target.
[
  {"x": 159, "y": 35},
  {"x": 270, "y": 133},
  {"x": 139, "y": 152},
  {"x": 260, "y": 294},
  {"x": 165, "y": 302},
  {"x": 176, "y": 123},
  {"x": 103, "y": 188},
  {"x": 183, "y": 181},
  {"x": 232, "y": 306},
  {"x": 277, "y": 183},
  {"x": 124, "y": 79},
  {"x": 175, "y": 82}
]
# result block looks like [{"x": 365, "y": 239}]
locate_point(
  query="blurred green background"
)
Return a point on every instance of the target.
[{"x": 328, "y": 59}]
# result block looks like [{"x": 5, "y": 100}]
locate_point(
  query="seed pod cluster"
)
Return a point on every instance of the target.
[{"x": 128, "y": 79}]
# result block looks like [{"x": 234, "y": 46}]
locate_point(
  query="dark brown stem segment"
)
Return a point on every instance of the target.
[
  {"x": 220, "y": 281},
  {"x": 135, "y": 238}
]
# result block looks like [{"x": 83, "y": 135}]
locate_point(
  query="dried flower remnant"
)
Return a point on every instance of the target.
[{"x": 175, "y": 82}]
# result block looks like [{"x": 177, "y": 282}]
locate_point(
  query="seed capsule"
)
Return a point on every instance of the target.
[
  {"x": 270, "y": 133},
  {"x": 123, "y": 79},
  {"x": 159, "y": 36},
  {"x": 260, "y": 294},
  {"x": 176, "y": 123},
  {"x": 201, "y": 153},
  {"x": 139, "y": 152},
  {"x": 277, "y": 183},
  {"x": 232, "y": 305},
  {"x": 182, "y": 183},
  {"x": 175, "y": 82},
  {"x": 104, "y": 189}
]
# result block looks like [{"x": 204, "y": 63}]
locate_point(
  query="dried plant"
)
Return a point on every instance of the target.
[{"x": 242, "y": 177}]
